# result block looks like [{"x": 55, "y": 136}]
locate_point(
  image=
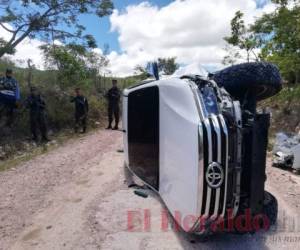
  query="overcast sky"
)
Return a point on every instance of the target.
[{"x": 139, "y": 31}]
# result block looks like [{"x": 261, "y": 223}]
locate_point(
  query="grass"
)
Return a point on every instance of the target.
[
  {"x": 10, "y": 163},
  {"x": 60, "y": 139}
]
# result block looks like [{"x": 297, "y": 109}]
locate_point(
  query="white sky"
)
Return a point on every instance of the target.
[{"x": 190, "y": 30}]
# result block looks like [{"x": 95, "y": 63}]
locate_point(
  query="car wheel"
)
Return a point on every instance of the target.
[
  {"x": 270, "y": 208},
  {"x": 262, "y": 79}
]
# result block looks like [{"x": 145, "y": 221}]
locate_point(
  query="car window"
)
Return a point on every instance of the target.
[{"x": 209, "y": 100}]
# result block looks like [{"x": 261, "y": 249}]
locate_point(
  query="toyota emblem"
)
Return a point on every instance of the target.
[{"x": 214, "y": 175}]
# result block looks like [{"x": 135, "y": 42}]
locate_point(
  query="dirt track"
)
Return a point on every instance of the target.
[{"x": 74, "y": 198}]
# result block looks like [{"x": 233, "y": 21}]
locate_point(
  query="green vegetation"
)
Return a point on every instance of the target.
[
  {"x": 29, "y": 151},
  {"x": 278, "y": 33},
  {"x": 60, "y": 112},
  {"x": 70, "y": 62},
  {"x": 166, "y": 65},
  {"x": 44, "y": 18},
  {"x": 241, "y": 38},
  {"x": 285, "y": 107},
  {"x": 275, "y": 35}
]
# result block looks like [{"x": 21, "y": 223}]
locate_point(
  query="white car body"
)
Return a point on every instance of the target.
[{"x": 181, "y": 172}]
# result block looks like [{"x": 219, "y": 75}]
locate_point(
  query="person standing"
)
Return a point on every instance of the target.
[
  {"x": 81, "y": 110},
  {"x": 113, "y": 95},
  {"x": 9, "y": 95},
  {"x": 37, "y": 111}
]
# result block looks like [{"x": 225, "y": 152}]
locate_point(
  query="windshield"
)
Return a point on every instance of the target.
[{"x": 209, "y": 100}]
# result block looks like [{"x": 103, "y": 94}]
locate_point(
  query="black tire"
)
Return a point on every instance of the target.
[
  {"x": 260, "y": 78},
  {"x": 270, "y": 208}
]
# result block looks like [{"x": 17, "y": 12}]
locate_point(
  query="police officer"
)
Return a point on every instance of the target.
[
  {"x": 113, "y": 95},
  {"x": 9, "y": 95},
  {"x": 81, "y": 110},
  {"x": 37, "y": 106}
]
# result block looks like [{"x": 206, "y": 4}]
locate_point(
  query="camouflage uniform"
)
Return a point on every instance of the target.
[
  {"x": 37, "y": 107},
  {"x": 81, "y": 112},
  {"x": 9, "y": 96},
  {"x": 113, "y": 95}
]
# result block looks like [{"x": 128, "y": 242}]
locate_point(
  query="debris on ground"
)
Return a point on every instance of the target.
[
  {"x": 141, "y": 193},
  {"x": 286, "y": 151}
]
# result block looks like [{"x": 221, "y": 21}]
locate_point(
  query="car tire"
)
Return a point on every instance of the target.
[
  {"x": 270, "y": 208},
  {"x": 262, "y": 79}
]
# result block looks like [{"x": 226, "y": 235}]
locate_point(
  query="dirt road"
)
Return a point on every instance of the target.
[{"x": 74, "y": 198}]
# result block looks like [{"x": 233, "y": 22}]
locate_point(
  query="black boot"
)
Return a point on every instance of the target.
[
  {"x": 116, "y": 127},
  {"x": 35, "y": 138},
  {"x": 45, "y": 139}
]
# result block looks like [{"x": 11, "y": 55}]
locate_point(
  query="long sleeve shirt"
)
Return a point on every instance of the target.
[{"x": 10, "y": 87}]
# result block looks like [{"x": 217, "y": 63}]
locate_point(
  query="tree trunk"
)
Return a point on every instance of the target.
[{"x": 29, "y": 77}]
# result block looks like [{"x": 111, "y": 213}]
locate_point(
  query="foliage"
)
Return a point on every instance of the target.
[
  {"x": 279, "y": 36},
  {"x": 167, "y": 65},
  {"x": 74, "y": 62},
  {"x": 60, "y": 112},
  {"x": 45, "y": 19},
  {"x": 141, "y": 72},
  {"x": 8, "y": 49},
  {"x": 276, "y": 35},
  {"x": 233, "y": 55},
  {"x": 285, "y": 107},
  {"x": 242, "y": 38}
]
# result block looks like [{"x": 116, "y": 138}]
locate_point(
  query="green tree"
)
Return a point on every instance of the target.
[
  {"x": 233, "y": 55},
  {"x": 241, "y": 37},
  {"x": 279, "y": 36},
  {"x": 141, "y": 72},
  {"x": 74, "y": 62},
  {"x": 167, "y": 65},
  {"x": 44, "y": 18}
]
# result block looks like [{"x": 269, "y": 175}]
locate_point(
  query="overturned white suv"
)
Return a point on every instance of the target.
[{"x": 199, "y": 142}]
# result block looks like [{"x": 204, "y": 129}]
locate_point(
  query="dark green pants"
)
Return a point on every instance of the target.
[
  {"x": 38, "y": 124},
  {"x": 80, "y": 122},
  {"x": 9, "y": 112},
  {"x": 113, "y": 112}
]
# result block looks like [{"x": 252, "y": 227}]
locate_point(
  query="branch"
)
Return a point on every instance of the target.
[
  {"x": 256, "y": 57},
  {"x": 61, "y": 32},
  {"x": 21, "y": 38},
  {"x": 15, "y": 34},
  {"x": 7, "y": 29}
]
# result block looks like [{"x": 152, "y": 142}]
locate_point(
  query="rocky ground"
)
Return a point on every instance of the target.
[{"x": 74, "y": 197}]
